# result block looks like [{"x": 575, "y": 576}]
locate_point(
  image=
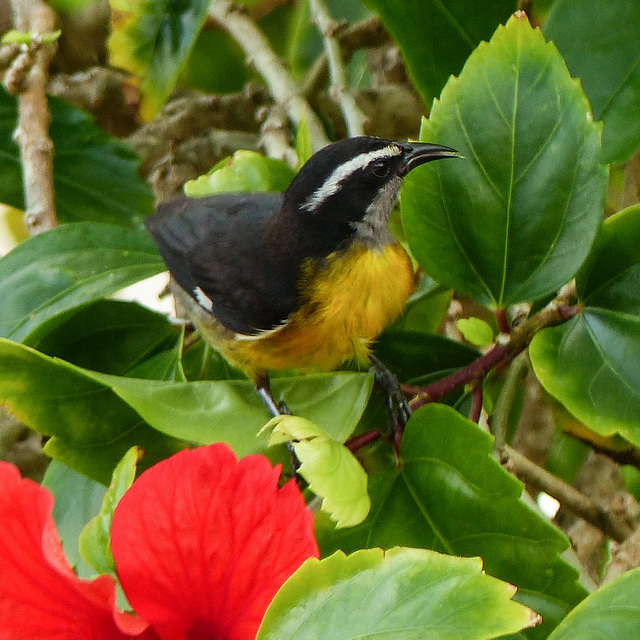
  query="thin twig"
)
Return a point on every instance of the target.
[
  {"x": 500, "y": 417},
  {"x": 361, "y": 35},
  {"x": 32, "y": 132},
  {"x": 280, "y": 83},
  {"x": 558, "y": 310},
  {"x": 354, "y": 118},
  {"x": 611, "y": 524}
]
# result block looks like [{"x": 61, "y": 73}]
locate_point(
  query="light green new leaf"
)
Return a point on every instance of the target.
[
  {"x": 411, "y": 594},
  {"x": 515, "y": 219},
  {"x": 53, "y": 273},
  {"x": 153, "y": 39},
  {"x": 95, "y": 176},
  {"x": 94, "y": 540},
  {"x": 600, "y": 41},
  {"x": 475, "y": 331},
  {"x": 436, "y": 37},
  {"x": 332, "y": 471},
  {"x": 610, "y": 613},
  {"x": 243, "y": 172},
  {"x": 451, "y": 495},
  {"x": 591, "y": 364}
]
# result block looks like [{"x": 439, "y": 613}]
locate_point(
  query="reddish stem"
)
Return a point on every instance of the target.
[
  {"x": 357, "y": 442},
  {"x": 501, "y": 319}
]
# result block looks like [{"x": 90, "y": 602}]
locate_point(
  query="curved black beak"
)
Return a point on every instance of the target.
[{"x": 416, "y": 153}]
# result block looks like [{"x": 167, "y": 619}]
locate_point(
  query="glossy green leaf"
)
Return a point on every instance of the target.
[
  {"x": 436, "y": 37},
  {"x": 600, "y": 42},
  {"x": 52, "y": 273},
  {"x": 153, "y": 39},
  {"x": 111, "y": 336},
  {"x": 411, "y": 594},
  {"x": 449, "y": 494},
  {"x": 610, "y": 279},
  {"x": 243, "y": 172},
  {"x": 414, "y": 355},
  {"x": 425, "y": 309},
  {"x": 76, "y": 500},
  {"x": 610, "y": 613},
  {"x": 591, "y": 364},
  {"x": 516, "y": 218},
  {"x": 94, "y": 540},
  {"x": 102, "y": 416},
  {"x": 231, "y": 411},
  {"x": 91, "y": 427},
  {"x": 331, "y": 470},
  {"x": 95, "y": 176}
]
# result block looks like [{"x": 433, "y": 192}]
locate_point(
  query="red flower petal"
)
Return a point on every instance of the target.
[
  {"x": 41, "y": 598},
  {"x": 202, "y": 543}
]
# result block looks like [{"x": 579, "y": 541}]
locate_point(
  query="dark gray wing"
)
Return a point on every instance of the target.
[{"x": 225, "y": 247}]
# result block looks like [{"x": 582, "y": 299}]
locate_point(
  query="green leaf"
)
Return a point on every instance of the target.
[
  {"x": 76, "y": 500},
  {"x": 437, "y": 37},
  {"x": 111, "y": 336},
  {"x": 243, "y": 172},
  {"x": 52, "y": 273},
  {"x": 414, "y": 355},
  {"x": 304, "y": 149},
  {"x": 590, "y": 364},
  {"x": 95, "y": 176},
  {"x": 332, "y": 471},
  {"x": 514, "y": 221},
  {"x": 69, "y": 6},
  {"x": 449, "y": 494},
  {"x": 611, "y": 613},
  {"x": 404, "y": 593},
  {"x": 91, "y": 427},
  {"x": 95, "y": 418},
  {"x": 94, "y": 540},
  {"x": 600, "y": 42},
  {"x": 609, "y": 278},
  {"x": 475, "y": 331},
  {"x": 27, "y": 37},
  {"x": 231, "y": 411},
  {"x": 153, "y": 39},
  {"x": 426, "y": 308}
]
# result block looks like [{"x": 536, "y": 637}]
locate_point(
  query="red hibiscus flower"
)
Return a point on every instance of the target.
[{"x": 202, "y": 542}]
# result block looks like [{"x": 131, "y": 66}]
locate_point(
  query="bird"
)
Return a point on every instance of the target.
[{"x": 306, "y": 279}]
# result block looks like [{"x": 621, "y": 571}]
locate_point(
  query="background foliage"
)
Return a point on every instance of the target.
[{"x": 535, "y": 235}]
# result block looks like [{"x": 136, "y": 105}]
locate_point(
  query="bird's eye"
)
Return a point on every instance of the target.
[{"x": 381, "y": 168}]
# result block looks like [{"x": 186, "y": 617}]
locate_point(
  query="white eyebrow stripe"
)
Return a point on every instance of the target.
[{"x": 343, "y": 171}]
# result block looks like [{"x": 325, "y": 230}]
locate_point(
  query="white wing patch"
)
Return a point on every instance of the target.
[
  {"x": 342, "y": 172},
  {"x": 203, "y": 299},
  {"x": 265, "y": 333}
]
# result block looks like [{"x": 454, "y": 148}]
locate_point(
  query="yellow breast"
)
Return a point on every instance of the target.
[{"x": 348, "y": 300}]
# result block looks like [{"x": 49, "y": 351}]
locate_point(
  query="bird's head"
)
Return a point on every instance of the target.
[{"x": 353, "y": 184}]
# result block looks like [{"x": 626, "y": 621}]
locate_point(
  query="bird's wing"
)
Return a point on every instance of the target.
[{"x": 220, "y": 251}]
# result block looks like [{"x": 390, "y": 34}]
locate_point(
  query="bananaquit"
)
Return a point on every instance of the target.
[{"x": 306, "y": 279}]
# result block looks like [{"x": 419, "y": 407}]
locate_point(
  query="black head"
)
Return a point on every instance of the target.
[{"x": 347, "y": 181}]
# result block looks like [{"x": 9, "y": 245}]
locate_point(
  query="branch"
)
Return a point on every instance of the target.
[
  {"x": 362, "y": 35},
  {"x": 555, "y": 312},
  {"x": 280, "y": 83},
  {"x": 354, "y": 118},
  {"x": 611, "y": 524},
  {"x": 28, "y": 78}
]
